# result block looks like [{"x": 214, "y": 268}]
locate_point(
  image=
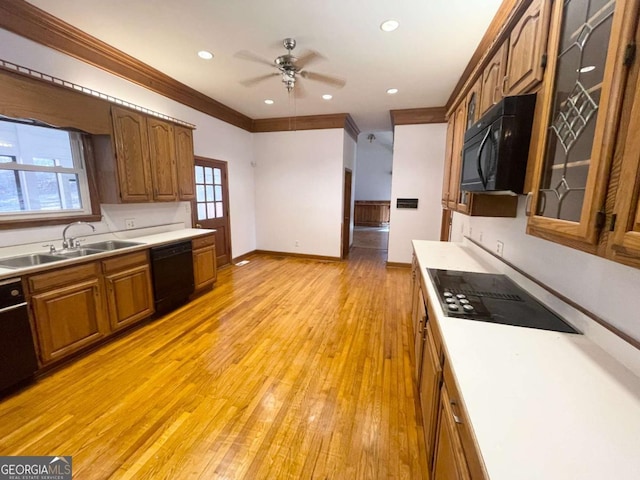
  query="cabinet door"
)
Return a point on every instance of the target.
[
  {"x": 430, "y": 381},
  {"x": 624, "y": 242},
  {"x": 419, "y": 335},
  {"x": 448, "y": 161},
  {"x": 579, "y": 107},
  {"x": 527, "y": 44},
  {"x": 493, "y": 80},
  {"x": 473, "y": 104},
  {"x": 449, "y": 462},
  {"x": 132, "y": 155},
  {"x": 68, "y": 319},
  {"x": 456, "y": 201},
  {"x": 129, "y": 296},
  {"x": 185, "y": 163},
  {"x": 204, "y": 267},
  {"x": 163, "y": 160}
]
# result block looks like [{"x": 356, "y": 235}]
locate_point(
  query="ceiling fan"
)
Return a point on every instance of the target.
[{"x": 290, "y": 68}]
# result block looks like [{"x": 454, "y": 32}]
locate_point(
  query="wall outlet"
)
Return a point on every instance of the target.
[
  {"x": 499, "y": 248},
  {"x": 470, "y": 232},
  {"x": 480, "y": 238},
  {"x": 297, "y": 243},
  {"x": 129, "y": 223}
]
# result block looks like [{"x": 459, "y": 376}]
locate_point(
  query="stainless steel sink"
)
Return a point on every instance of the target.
[
  {"x": 112, "y": 245},
  {"x": 29, "y": 260},
  {"x": 80, "y": 252}
]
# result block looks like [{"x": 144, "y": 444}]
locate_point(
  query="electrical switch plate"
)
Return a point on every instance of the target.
[{"x": 129, "y": 223}]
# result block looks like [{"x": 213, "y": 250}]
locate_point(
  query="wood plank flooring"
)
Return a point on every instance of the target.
[{"x": 290, "y": 369}]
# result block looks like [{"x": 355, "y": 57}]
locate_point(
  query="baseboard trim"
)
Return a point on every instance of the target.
[
  {"x": 242, "y": 257},
  {"x": 398, "y": 265},
  {"x": 298, "y": 255}
]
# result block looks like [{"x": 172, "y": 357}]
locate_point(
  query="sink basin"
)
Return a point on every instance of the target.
[
  {"x": 112, "y": 245},
  {"x": 29, "y": 260},
  {"x": 80, "y": 252}
]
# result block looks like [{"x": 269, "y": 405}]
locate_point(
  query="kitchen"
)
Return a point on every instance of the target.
[{"x": 610, "y": 292}]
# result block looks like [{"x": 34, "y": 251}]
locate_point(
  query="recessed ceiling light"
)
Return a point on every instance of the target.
[
  {"x": 392, "y": 91},
  {"x": 205, "y": 55},
  {"x": 268, "y": 101},
  {"x": 589, "y": 68},
  {"x": 389, "y": 25},
  {"x": 326, "y": 96}
]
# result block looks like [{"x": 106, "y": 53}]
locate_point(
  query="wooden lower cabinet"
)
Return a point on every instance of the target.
[
  {"x": 449, "y": 462},
  {"x": 75, "y": 307},
  {"x": 430, "y": 382},
  {"x": 204, "y": 262},
  {"x": 129, "y": 289},
  {"x": 69, "y": 315}
]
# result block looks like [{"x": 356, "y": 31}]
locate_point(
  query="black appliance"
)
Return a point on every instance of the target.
[
  {"x": 493, "y": 298},
  {"x": 18, "y": 360},
  {"x": 172, "y": 271},
  {"x": 496, "y": 148}
]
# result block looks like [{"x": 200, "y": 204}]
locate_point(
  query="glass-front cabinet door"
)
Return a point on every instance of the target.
[{"x": 579, "y": 106}]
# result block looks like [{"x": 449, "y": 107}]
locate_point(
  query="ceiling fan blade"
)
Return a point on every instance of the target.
[
  {"x": 252, "y": 57},
  {"x": 309, "y": 56},
  {"x": 319, "y": 77},
  {"x": 252, "y": 81}
]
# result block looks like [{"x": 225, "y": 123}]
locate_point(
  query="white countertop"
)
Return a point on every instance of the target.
[
  {"x": 145, "y": 241},
  {"x": 543, "y": 405}
]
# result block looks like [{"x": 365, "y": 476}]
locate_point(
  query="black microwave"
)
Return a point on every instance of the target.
[{"x": 494, "y": 157}]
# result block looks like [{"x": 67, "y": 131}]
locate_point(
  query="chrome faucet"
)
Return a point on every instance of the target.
[{"x": 71, "y": 242}]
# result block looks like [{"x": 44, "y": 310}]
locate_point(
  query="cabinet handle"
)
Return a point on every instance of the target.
[
  {"x": 504, "y": 82},
  {"x": 527, "y": 206},
  {"x": 456, "y": 418}
]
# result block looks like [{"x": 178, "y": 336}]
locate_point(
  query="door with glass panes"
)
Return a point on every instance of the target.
[{"x": 211, "y": 205}]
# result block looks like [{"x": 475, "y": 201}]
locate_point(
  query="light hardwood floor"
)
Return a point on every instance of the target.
[{"x": 289, "y": 369}]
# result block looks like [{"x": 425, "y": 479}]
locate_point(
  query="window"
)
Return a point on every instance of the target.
[
  {"x": 209, "y": 200},
  {"x": 42, "y": 173}
]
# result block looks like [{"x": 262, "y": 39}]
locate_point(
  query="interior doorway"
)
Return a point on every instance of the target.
[
  {"x": 211, "y": 206},
  {"x": 346, "y": 216}
]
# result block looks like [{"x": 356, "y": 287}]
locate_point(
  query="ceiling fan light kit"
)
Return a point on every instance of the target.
[{"x": 290, "y": 68}]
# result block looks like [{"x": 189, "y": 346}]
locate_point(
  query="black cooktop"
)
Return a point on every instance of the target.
[{"x": 494, "y": 298}]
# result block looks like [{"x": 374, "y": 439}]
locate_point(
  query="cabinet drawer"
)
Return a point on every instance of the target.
[
  {"x": 125, "y": 261},
  {"x": 203, "y": 241},
  {"x": 434, "y": 332},
  {"x": 467, "y": 437},
  {"x": 56, "y": 278}
]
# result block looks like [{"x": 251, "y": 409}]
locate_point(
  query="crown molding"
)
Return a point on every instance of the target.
[
  {"x": 26, "y": 20},
  {"x": 308, "y": 122},
  {"x": 416, "y": 116}
]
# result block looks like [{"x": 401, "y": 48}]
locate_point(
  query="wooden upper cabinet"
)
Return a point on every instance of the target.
[
  {"x": 448, "y": 161},
  {"x": 624, "y": 241},
  {"x": 132, "y": 155},
  {"x": 473, "y": 103},
  {"x": 185, "y": 163},
  {"x": 527, "y": 46},
  {"x": 579, "y": 110},
  {"x": 456, "y": 201},
  {"x": 492, "y": 85},
  {"x": 163, "y": 160}
]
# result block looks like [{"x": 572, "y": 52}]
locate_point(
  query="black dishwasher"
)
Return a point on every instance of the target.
[
  {"x": 17, "y": 353},
  {"x": 172, "y": 271}
]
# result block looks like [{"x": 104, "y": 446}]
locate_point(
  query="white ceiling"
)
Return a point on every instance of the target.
[{"x": 423, "y": 58}]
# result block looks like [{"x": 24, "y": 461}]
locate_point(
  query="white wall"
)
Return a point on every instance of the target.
[
  {"x": 375, "y": 162},
  {"x": 212, "y": 137},
  {"x": 299, "y": 187},
  {"x": 606, "y": 288},
  {"x": 418, "y": 164},
  {"x": 349, "y": 161}
]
